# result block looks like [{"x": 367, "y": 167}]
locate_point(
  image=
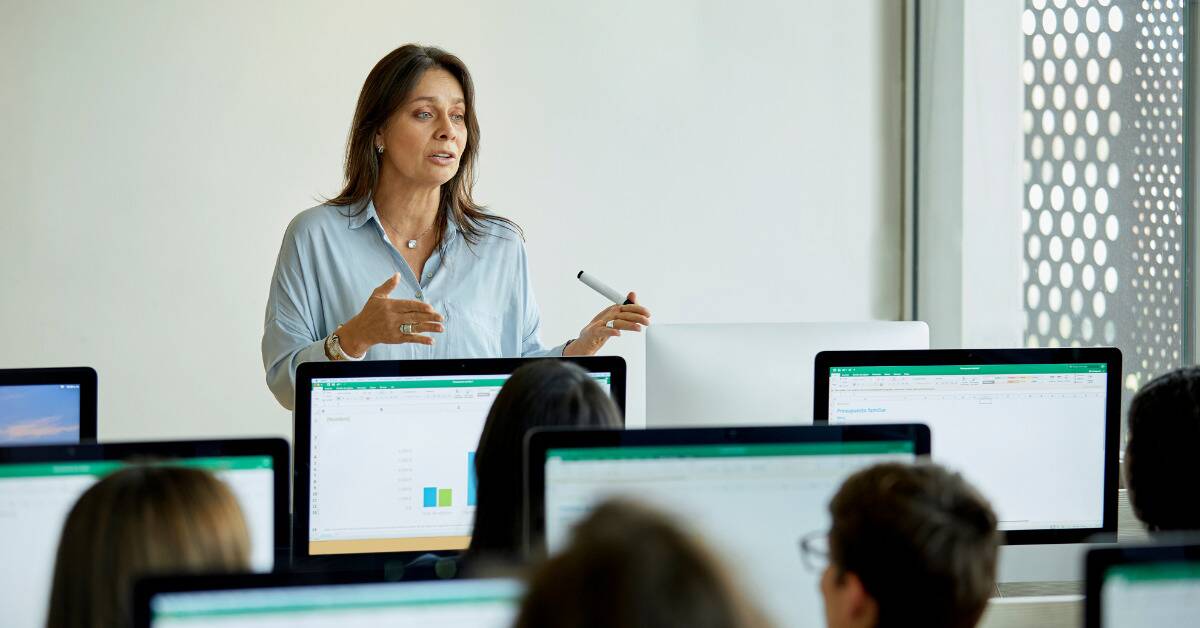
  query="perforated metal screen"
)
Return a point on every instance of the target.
[{"x": 1104, "y": 219}]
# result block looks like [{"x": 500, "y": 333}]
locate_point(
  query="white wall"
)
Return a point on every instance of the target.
[{"x": 730, "y": 161}]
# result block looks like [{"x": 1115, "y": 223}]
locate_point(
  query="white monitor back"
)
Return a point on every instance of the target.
[{"x": 752, "y": 373}]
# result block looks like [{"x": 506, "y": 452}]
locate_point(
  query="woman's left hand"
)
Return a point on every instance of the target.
[{"x": 624, "y": 318}]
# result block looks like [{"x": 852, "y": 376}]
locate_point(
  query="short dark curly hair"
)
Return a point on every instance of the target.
[
  {"x": 1162, "y": 454},
  {"x": 922, "y": 541}
]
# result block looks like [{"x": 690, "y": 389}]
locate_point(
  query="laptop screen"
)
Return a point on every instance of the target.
[
  {"x": 445, "y": 604},
  {"x": 36, "y": 497},
  {"x": 47, "y": 406},
  {"x": 1044, "y": 426},
  {"x": 39, "y": 414},
  {"x": 392, "y": 460},
  {"x": 751, "y": 502},
  {"x": 1150, "y": 595}
]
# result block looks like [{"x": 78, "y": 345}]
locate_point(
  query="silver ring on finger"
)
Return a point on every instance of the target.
[
  {"x": 406, "y": 328},
  {"x": 611, "y": 324}
]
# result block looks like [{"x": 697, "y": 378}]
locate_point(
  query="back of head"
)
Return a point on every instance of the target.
[
  {"x": 921, "y": 540},
  {"x": 142, "y": 520},
  {"x": 544, "y": 393},
  {"x": 1161, "y": 462},
  {"x": 630, "y": 567}
]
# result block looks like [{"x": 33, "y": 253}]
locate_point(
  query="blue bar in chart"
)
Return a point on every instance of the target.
[
  {"x": 470, "y": 478},
  {"x": 430, "y": 497}
]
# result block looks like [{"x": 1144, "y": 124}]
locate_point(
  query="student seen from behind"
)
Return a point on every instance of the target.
[
  {"x": 910, "y": 545},
  {"x": 630, "y": 567},
  {"x": 544, "y": 393},
  {"x": 140, "y": 521},
  {"x": 1162, "y": 453}
]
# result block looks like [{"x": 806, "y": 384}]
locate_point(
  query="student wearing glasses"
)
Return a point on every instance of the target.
[{"x": 910, "y": 545}]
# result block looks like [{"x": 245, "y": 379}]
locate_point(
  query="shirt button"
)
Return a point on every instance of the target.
[
  {"x": 419, "y": 294},
  {"x": 428, "y": 276}
]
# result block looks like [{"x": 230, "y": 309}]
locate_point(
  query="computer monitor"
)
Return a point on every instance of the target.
[
  {"x": 322, "y": 599},
  {"x": 385, "y": 452},
  {"x": 751, "y": 493},
  {"x": 1036, "y": 430},
  {"x": 1143, "y": 586},
  {"x": 45, "y": 406},
  {"x": 40, "y": 484},
  {"x": 751, "y": 373}
]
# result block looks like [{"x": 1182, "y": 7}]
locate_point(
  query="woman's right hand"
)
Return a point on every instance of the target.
[{"x": 380, "y": 320}]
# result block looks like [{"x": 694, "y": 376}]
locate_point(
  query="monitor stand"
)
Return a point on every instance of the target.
[
  {"x": 1058, "y": 569},
  {"x": 1026, "y": 570}
]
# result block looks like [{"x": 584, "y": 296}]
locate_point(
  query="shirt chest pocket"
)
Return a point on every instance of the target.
[{"x": 472, "y": 333}]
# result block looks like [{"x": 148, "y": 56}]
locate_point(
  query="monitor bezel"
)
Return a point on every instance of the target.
[
  {"x": 146, "y": 588},
  {"x": 82, "y": 376},
  {"x": 1110, "y": 356},
  {"x": 539, "y": 442},
  {"x": 276, "y": 448},
  {"x": 302, "y": 432},
  {"x": 1097, "y": 562}
]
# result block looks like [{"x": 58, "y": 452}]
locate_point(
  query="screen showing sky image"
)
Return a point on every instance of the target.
[{"x": 44, "y": 413}]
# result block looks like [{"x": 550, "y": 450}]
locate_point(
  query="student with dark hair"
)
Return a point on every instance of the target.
[
  {"x": 630, "y": 567},
  {"x": 544, "y": 393},
  {"x": 139, "y": 521},
  {"x": 910, "y": 545},
  {"x": 1162, "y": 454}
]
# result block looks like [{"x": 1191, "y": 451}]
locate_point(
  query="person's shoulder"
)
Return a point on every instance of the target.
[
  {"x": 320, "y": 218},
  {"x": 495, "y": 234},
  {"x": 497, "y": 227}
]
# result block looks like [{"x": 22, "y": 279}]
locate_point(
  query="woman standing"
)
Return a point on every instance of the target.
[{"x": 404, "y": 250}]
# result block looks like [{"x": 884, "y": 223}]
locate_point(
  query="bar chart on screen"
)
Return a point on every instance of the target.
[
  {"x": 396, "y": 465},
  {"x": 392, "y": 461}
]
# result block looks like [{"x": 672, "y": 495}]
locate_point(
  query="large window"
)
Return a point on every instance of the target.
[{"x": 1104, "y": 222}]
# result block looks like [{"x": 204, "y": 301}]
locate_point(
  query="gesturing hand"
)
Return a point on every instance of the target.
[
  {"x": 380, "y": 319},
  {"x": 623, "y": 317}
]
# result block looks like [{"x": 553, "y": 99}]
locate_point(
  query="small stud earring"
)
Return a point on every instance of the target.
[{"x": 379, "y": 149}]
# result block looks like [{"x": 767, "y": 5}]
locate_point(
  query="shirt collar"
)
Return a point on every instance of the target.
[
  {"x": 368, "y": 212},
  {"x": 361, "y": 218}
]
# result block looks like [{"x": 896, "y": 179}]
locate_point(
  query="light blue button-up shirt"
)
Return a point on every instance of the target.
[{"x": 329, "y": 264}]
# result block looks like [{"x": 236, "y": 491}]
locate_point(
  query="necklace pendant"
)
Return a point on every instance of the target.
[{"x": 412, "y": 244}]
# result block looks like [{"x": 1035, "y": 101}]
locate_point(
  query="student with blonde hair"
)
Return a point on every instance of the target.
[{"x": 142, "y": 520}]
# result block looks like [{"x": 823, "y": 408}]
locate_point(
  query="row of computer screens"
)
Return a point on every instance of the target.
[
  {"x": 1127, "y": 587},
  {"x": 751, "y": 493},
  {"x": 384, "y": 458},
  {"x": 775, "y": 481},
  {"x": 1036, "y": 430}
]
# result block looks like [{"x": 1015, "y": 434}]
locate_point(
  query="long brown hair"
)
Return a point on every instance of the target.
[
  {"x": 142, "y": 520},
  {"x": 543, "y": 393},
  {"x": 631, "y": 566},
  {"x": 388, "y": 86}
]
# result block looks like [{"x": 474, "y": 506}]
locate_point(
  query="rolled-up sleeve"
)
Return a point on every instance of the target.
[{"x": 290, "y": 333}]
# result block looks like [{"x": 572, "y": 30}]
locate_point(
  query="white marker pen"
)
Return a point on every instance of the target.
[{"x": 599, "y": 286}]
